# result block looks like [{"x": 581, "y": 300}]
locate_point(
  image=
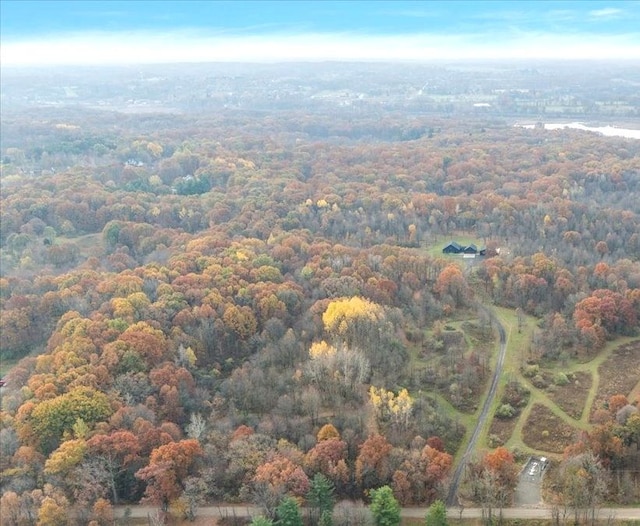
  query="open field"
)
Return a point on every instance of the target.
[
  {"x": 572, "y": 397},
  {"x": 546, "y": 431},
  {"x": 619, "y": 373}
]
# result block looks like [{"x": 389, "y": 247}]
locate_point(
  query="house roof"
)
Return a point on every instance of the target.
[{"x": 455, "y": 245}]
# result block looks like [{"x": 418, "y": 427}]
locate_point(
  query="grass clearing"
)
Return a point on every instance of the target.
[
  {"x": 619, "y": 373},
  {"x": 434, "y": 246},
  {"x": 572, "y": 397},
  {"x": 553, "y": 415}
]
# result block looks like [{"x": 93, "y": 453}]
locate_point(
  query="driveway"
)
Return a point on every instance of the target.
[{"x": 529, "y": 489}]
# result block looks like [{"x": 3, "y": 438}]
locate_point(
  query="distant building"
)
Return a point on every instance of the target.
[
  {"x": 453, "y": 248},
  {"x": 470, "y": 249}
]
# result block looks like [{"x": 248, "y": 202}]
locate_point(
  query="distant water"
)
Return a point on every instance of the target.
[{"x": 608, "y": 131}]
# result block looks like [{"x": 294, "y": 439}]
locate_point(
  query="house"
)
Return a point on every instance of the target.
[
  {"x": 453, "y": 248},
  {"x": 470, "y": 249}
]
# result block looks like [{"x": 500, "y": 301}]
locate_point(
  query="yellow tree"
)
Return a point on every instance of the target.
[
  {"x": 353, "y": 321},
  {"x": 51, "y": 513},
  {"x": 66, "y": 457},
  {"x": 391, "y": 407}
]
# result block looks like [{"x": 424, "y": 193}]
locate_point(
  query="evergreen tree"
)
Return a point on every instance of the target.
[
  {"x": 288, "y": 513},
  {"x": 384, "y": 507},
  {"x": 436, "y": 514},
  {"x": 321, "y": 497}
]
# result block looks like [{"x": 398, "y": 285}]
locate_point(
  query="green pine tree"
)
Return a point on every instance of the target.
[
  {"x": 288, "y": 513},
  {"x": 320, "y": 496},
  {"x": 384, "y": 507},
  {"x": 261, "y": 521},
  {"x": 436, "y": 514}
]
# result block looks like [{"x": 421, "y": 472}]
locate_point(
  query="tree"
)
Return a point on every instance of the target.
[
  {"x": 353, "y": 321},
  {"x": 66, "y": 457},
  {"x": 10, "y": 508},
  {"x": 583, "y": 483},
  {"x": 51, "y": 418},
  {"x": 389, "y": 407},
  {"x": 451, "y": 283},
  {"x": 277, "y": 478},
  {"x": 168, "y": 467},
  {"x": 288, "y": 513},
  {"x": 384, "y": 507},
  {"x": 327, "y": 432},
  {"x": 372, "y": 463},
  {"x": 51, "y": 513},
  {"x": 436, "y": 514},
  {"x": 320, "y": 497},
  {"x": 494, "y": 480},
  {"x": 328, "y": 457},
  {"x": 103, "y": 512},
  {"x": 116, "y": 452}
]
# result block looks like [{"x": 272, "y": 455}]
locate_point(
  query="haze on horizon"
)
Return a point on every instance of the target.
[{"x": 41, "y": 33}]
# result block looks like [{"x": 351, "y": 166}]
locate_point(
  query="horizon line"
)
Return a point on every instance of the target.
[{"x": 172, "y": 47}]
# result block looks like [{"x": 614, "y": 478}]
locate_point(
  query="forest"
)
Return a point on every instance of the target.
[{"x": 239, "y": 305}]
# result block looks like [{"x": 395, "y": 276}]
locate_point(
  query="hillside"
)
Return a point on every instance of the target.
[{"x": 221, "y": 305}]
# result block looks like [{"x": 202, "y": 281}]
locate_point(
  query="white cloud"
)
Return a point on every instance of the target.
[
  {"x": 607, "y": 12},
  {"x": 192, "y": 46}
]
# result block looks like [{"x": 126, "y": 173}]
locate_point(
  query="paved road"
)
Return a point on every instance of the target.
[
  {"x": 452, "y": 512},
  {"x": 452, "y": 498}
]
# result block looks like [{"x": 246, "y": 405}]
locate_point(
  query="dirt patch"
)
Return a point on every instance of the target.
[
  {"x": 544, "y": 431},
  {"x": 571, "y": 398},
  {"x": 619, "y": 373}
]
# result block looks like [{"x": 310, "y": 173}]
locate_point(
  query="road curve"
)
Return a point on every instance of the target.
[{"x": 452, "y": 497}]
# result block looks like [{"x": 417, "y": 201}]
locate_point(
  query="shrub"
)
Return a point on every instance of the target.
[
  {"x": 506, "y": 411},
  {"x": 560, "y": 379},
  {"x": 529, "y": 371},
  {"x": 539, "y": 381},
  {"x": 516, "y": 394}
]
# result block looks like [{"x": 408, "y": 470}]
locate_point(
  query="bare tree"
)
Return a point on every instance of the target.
[{"x": 584, "y": 485}]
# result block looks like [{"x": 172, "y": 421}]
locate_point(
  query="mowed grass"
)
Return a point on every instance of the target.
[{"x": 619, "y": 373}]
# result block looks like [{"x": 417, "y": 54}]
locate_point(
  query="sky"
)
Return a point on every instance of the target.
[{"x": 96, "y": 32}]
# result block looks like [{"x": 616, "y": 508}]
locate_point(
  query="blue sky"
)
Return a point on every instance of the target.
[{"x": 111, "y": 31}]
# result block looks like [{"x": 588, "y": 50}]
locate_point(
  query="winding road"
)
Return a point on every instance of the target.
[{"x": 452, "y": 497}]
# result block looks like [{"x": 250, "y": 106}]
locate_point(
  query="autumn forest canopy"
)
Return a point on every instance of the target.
[{"x": 224, "y": 303}]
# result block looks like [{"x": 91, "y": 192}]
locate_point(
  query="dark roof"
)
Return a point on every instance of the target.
[{"x": 455, "y": 245}]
